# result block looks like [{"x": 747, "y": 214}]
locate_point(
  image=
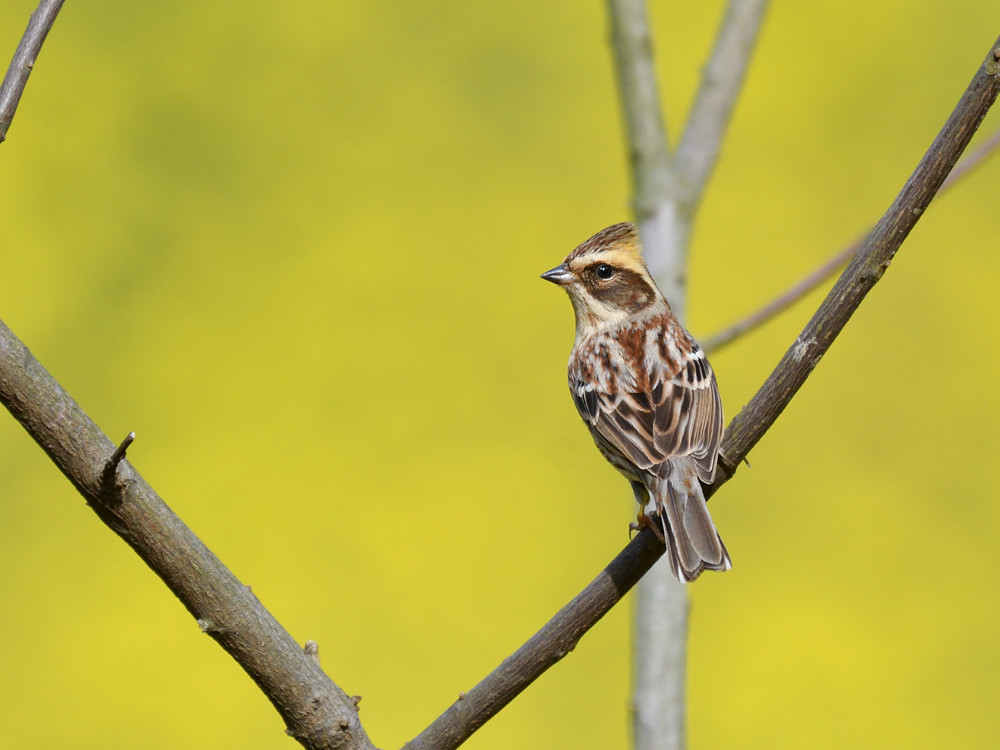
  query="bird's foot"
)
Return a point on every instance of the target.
[{"x": 642, "y": 520}]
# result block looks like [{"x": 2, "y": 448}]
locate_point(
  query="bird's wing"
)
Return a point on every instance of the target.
[{"x": 680, "y": 414}]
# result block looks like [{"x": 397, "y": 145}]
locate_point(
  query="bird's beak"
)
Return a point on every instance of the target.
[{"x": 559, "y": 275}]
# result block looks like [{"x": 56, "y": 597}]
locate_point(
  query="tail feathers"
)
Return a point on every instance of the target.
[{"x": 693, "y": 544}]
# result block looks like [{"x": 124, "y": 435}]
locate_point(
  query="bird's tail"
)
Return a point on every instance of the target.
[{"x": 692, "y": 542}]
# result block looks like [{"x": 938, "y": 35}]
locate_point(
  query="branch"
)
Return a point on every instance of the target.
[
  {"x": 829, "y": 267},
  {"x": 721, "y": 83},
  {"x": 864, "y": 270},
  {"x": 783, "y": 301},
  {"x": 317, "y": 712},
  {"x": 24, "y": 60},
  {"x": 555, "y": 640},
  {"x": 646, "y": 134},
  {"x": 562, "y": 632},
  {"x": 663, "y": 229}
]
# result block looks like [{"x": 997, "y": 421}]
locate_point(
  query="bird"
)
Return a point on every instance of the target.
[{"x": 646, "y": 391}]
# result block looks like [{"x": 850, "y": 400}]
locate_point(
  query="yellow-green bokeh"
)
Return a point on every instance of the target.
[{"x": 295, "y": 247}]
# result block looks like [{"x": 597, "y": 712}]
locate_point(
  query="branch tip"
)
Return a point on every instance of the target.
[
  {"x": 111, "y": 465},
  {"x": 123, "y": 446}
]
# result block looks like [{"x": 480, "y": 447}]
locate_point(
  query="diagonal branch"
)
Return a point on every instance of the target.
[
  {"x": 721, "y": 83},
  {"x": 555, "y": 640},
  {"x": 788, "y": 298},
  {"x": 24, "y": 60},
  {"x": 317, "y": 712},
  {"x": 563, "y": 631},
  {"x": 864, "y": 270}
]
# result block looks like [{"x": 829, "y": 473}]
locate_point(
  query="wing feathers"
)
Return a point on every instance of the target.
[{"x": 664, "y": 408}]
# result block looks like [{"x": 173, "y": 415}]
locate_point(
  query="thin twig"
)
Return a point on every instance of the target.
[
  {"x": 785, "y": 300},
  {"x": 721, "y": 82},
  {"x": 563, "y": 631},
  {"x": 24, "y": 60}
]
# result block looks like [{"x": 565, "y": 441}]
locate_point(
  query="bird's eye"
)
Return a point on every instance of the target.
[{"x": 604, "y": 271}]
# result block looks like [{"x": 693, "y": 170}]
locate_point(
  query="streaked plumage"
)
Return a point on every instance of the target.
[{"x": 646, "y": 391}]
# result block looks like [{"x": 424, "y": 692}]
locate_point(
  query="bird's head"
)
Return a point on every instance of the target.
[{"x": 607, "y": 280}]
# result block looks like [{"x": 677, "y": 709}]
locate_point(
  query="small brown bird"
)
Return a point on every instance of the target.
[{"x": 646, "y": 391}]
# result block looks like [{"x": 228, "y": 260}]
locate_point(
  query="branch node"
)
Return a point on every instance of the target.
[
  {"x": 311, "y": 649},
  {"x": 356, "y": 700},
  {"x": 111, "y": 465},
  {"x": 993, "y": 66},
  {"x": 209, "y": 626}
]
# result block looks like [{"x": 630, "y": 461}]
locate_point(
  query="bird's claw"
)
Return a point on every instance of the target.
[{"x": 642, "y": 520}]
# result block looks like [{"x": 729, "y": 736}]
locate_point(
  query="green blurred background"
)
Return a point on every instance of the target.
[{"x": 296, "y": 246}]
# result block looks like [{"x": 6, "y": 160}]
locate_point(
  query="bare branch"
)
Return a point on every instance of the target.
[
  {"x": 318, "y": 713},
  {"x": 24, "y": 60},
  {"x": 564, "y": 630},
  {"x": 664, "y": 231},
  {"x": 864, "y": 270},
  {"x": 721, "y": 83},
  {"x": 646, "y": 133},
  {"x": 555, "y": 640},
  {"x": 829, "y": 267}
]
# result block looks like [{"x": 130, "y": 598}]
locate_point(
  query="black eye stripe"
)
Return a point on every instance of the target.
[{"x": 625, "y": 289}]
